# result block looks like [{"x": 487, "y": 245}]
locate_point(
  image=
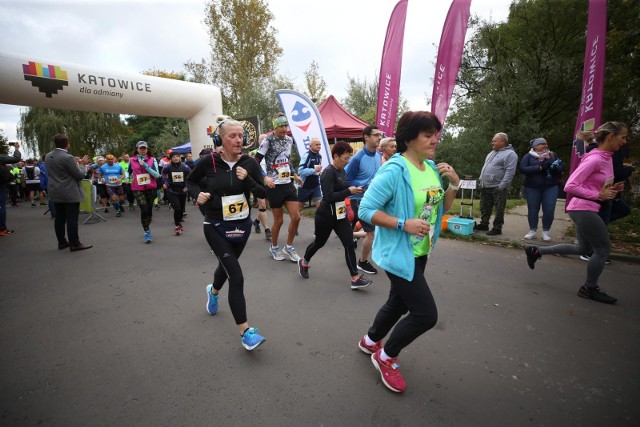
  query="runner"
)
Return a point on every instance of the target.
[
  {"x": 143, "y": 170},
  {"x": 173, "y": 176},
  {"x": 406, "y": 201},
  {"x": 31, "y": 182},
  {"x": 332, "y": 215},
  {"x": 276, "y": 152},
  {"x": 230, "y": 178},
  {"x": 126, "y": 182},
  {"x": 111, "y": 175},
  {"x": 261, "y": 218},
  {"x": 101, "y": 188}
]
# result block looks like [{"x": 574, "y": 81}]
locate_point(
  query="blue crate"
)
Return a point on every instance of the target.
[{"x": 462, "y": 226}]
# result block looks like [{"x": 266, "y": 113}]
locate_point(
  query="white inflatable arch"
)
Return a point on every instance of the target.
[{"x": 38, "y": 82}]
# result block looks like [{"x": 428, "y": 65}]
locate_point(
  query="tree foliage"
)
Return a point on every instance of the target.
[
  {"x": 362, "y": 99},
  {"x": 244, "y": 51},
  {"x": 315, "y": 84},
  {"x": 524, "y": 76},
  {"x": 4, "y": 143},
  {"x": 89, "y": 133}
]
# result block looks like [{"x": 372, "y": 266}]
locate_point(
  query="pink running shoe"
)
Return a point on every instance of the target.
[
  {"x": 369, "y": 349},
  {"x": 389, "y": 372}
]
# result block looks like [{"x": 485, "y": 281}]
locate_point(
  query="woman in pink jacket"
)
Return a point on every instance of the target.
[{"x": 590, "y": 185}]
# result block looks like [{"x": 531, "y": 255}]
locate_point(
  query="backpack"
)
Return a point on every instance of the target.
[{"x": 31, "y": 172}]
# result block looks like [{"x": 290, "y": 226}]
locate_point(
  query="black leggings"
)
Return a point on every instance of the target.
[
  {"x": 229, "y": 267},
  {"x": 178, "y": 201},
  {"x": 325, "y": 222},
  {"x": 145, "y": 203},
  {"x": 414, "y": 297}
]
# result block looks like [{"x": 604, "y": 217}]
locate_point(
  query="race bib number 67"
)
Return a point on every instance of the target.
[{"x": 234, "y": 207}]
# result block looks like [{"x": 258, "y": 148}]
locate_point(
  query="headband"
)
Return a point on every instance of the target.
[{"x": 280, "y": 121}]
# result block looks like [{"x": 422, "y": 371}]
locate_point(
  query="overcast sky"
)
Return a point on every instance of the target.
[{"x": 345, "y": 37}]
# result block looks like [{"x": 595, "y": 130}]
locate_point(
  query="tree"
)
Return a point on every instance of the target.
[
  {"x": 89, "y": 133},
  {"x": 244, "y": 50},
  {"x": 362, "y": 99},
  {"x": 315, "y": 84},
  {"x": 524, "y": 77},
  {"x": 4, "y": 143}
]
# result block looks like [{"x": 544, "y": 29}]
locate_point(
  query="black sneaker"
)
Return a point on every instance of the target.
[
  {"x": 481, "y": 227},
  {"x": 303, "y": 268},
  {"x": 256, "y": 226},
  {"x": 596, "y": 294},
  {"x": 360, "y": 282},
  {"x": 494, "y": 232},
  {"x": 367, "y": 267},
  {"x": 533, "y": 255},
  {"x": 267, "y": 233}
]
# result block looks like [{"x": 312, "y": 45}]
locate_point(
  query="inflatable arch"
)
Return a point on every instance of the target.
[{"x": 37, "y": 82}]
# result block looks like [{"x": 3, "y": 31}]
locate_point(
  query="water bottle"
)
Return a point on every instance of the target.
[{"x": 425, "y": 215}]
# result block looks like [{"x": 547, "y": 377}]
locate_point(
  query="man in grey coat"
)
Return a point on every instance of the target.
[
  {"x": 65, "y": 190},
  {"x": 495, "y": 178}
]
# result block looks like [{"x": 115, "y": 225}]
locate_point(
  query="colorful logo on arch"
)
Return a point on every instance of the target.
[{"x": 49, "y": 79}]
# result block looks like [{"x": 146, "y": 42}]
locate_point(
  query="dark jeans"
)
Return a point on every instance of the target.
[
  {"x": 414, "y": 297},
  {"x": 490, "y": 198},
  {"x": 67, "y": 215},
  {"x": 545, "y": 197},
  {"x": 3, "y": 206}
]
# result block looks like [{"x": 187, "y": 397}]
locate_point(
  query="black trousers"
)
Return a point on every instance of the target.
[
  {"x": 178, "y": 202},
  {"x": 325, "y": 223},
  {"x": 67, "y": 215},
  {"x": 413, "y": 297},
  {"x": 228, "y": 255}
]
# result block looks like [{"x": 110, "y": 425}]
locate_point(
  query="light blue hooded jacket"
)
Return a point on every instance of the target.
[{"x": 391, "y": 192}]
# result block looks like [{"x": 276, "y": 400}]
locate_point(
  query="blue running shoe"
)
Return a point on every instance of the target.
[
  {"x": 251, "y": 339},
  {"x": 212, "y": 301},
  {"x": 147, "y": 236}
]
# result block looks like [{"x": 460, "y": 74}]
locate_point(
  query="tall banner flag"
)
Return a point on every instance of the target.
[
  {"x": 390, "y": 69},
  {"x": 305, "y": 122},
  {"x": 449, "y": 57},
  {"x": 590, "y": 112}
]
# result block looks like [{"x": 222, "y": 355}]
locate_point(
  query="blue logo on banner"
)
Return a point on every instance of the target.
[{"x": 301, "y": 115}]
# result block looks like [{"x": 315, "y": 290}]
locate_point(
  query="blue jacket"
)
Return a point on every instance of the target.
[
  {"x": 391, "y": 192},
  {"x": 362, "y": 168},
  {"x": 536, "y": 178}
]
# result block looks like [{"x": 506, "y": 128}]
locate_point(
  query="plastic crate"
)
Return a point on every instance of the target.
[{"x": 462, "y": 226}]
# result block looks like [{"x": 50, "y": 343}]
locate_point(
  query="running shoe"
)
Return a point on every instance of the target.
[
  {"x": 33, "y": 205},
  {"x": 147, "y": 236},
  {"x": 360, "y": 282},
  {"x": 6, "y": 232},
  {"x": 118, "y": 214},
  {"x": 275, "y": 253},
  {"x": 179, "y": 229},
  {"x": 267, "y": 233},
  {"x": 533, "y": 255},
  {"x": 546, "y": 236},
  {"x": 389, "y": 372},
  {"x": 530, "y": 235},
  {"x": 256, "y": 226},
  {"x": 369, "y": 349},
  {"x": 106, "y": 210},
  {"x": 596, "y": 294},
  {"x": 291, "y": 251},
  {"x": 212, "y": 300},
  {"x": 367, "y": 267},
  {"x": 303, "y": 268},
  {"x": 251, "y": 339}
]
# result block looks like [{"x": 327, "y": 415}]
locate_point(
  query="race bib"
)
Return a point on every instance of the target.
[
  {"x": 234, "y": 207},
  {"x": 177, "y": 176},
  {"x": 143, "y": 179},
  {"x": 341, "y": 210},
  {"x": 284, "y": 174},
  {"x": 113, "y": 180}
]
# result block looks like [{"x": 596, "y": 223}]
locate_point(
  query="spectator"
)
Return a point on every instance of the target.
[{"x": 5, "y": 180}]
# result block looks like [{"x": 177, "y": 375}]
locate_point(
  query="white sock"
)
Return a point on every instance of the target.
[
  {"x": 368, "y": 340},
  {"x": 384, "y": 356}
]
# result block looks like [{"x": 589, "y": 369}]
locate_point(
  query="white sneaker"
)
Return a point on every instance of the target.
[
  {"x": 276, "y": 254},
  {"x": 530, "y": 235},
  {"x": 291, "y": 251},
  {"x": 546, "y": 236}
]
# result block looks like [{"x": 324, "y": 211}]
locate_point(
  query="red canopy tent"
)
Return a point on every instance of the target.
[{"x": 338, "y": 122}]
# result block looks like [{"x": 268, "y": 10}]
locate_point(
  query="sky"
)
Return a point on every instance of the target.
[{"x": 344, "y": 37}]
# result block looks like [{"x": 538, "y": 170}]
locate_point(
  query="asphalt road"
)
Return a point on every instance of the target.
[{"x": 119, "y": 335}]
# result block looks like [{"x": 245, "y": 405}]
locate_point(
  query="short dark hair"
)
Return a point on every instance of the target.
[
  {"x": 339, "y": 148},
  {"x": 60, "y": 140},
  {"x": 412, "y": 123},
  {"x": 368, "y": 130}
]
